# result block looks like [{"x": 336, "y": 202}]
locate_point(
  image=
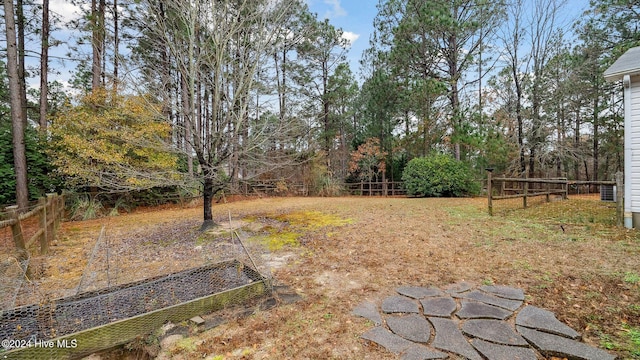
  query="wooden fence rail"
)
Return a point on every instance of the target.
[
  {"x": 513, "y": 188},
  {"x": 379, "y": 188},
  {"x": 49, "y": 210}
]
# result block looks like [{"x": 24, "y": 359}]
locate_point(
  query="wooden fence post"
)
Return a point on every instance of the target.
[
  {"x": 44, "y": 238},
  {"x": 524, "y": 198},
  {"x": 489, "y": 191},
  {"x": 59, "y": 201},
  {"x": 548, "y": 188},
  {"x": 16, "y": 231},
  {"x": 51, "y": 210}
]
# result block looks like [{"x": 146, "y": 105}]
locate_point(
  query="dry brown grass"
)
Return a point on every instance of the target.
[{"x": 584, "y": 273}]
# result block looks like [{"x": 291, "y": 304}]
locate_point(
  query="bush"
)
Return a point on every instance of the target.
[
  {"x": 41, "y": 175},
  {"x": 85, "y": 208},
  {"x": 439, "y": 175}
]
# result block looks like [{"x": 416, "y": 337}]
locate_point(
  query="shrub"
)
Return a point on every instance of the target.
[
  {"x": 85, "y": 208},
  {"x": 439, "y": 175},
  {"x": 42, "y": 176}
]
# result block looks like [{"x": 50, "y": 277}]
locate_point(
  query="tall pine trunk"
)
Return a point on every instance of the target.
[
  {"x": 17, "y": 108},
  {"x": 596, "y": 128},
  {"x": 97, "y": 42},
  {"x": 19, "y": 9},
  {"x": 44, "y": 65},
  {"x": 116, "y": 45}
]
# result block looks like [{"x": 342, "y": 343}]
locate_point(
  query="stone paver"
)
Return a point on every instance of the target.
[
  {"x": 458, "y": 287},
  {"x": 502, "y": 352},
  {"x": 422, "y": 353},
  {"x": 511, "y": 305},
  {"x": 471, "y": 322},
  {"x": 368, "y": 310},
  {"x": 477, "y": 310},
  {"x": 449, "y": 337},
  {"x": 541, "y": 319},
  {"x": 504, "y": 291},
  {"x": 399, "y": 304},
  {"x": 388, "y": 340},
  {"x": 555, "y": 345},
  {"x": 495, "y": 331},
  {"x": 441, "y": 307},
  {"x": 419, "y": 292},
  {"x": 411, "y": 327}
]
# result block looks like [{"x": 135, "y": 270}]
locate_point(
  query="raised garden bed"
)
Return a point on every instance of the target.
[{"x": 88, "y": 322}]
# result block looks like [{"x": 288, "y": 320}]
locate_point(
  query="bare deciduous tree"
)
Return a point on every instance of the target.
[{"x": 217, "y": 47}]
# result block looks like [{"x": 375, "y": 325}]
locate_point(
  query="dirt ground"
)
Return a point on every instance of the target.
[{"x": 588, "y": 274}]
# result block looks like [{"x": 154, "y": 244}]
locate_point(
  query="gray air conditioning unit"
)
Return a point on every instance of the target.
[{"x": 608, "y": 193}]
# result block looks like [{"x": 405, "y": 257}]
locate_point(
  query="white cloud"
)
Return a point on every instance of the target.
[
  {"x": 336, "y": 11},
  {"x": 350, "y": 37},
  {"x": 65, "y": 10}
]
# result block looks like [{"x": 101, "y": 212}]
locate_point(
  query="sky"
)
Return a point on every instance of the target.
[{"x": 355, "y": 18}]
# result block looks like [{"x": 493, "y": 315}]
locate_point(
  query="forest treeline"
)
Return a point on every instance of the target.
[{"x": 211, "y": 94}]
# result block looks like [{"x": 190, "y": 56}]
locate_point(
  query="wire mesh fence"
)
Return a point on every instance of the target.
[
  {"x": 131, "y": 286},
  {"x": 13, "y": 273}
]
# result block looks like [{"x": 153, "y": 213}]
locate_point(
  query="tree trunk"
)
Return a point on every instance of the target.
[
  {"x": 576, "y": 144},
  {"x": 116, "y": 45},
  {"x": 560, "y": 140},
  {"x": 17, "y": 107},
  {"x": 596, "y": 131},
  {"x": 536, "y": 138},
  {"x": 325, "y": 110},
  {"x": 532, "y": 162},
  {"x": 512, "y": 44},
  {"x": 454, "y": 98},
  {"x": 586, "y": 171},
  {"x": 188, "y": 124},
  {"x": 44, "y": 65},
  {"x": 95, "y": 61},
  {"x": 21, "y": 54},
  {"x": 97, "y": 42},
  {"x": 208, "y": 193}
]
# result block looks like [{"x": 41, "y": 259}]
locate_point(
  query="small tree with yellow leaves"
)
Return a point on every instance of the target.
[{"x": 114, "y": 143}]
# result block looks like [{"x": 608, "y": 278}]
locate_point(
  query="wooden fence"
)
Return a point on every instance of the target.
[
  {"x": 48, "y": 213},
  {"x": 364, "y": 188},
  {"x": 525, "y": 189},
  {"x": 378, "y": 188}
]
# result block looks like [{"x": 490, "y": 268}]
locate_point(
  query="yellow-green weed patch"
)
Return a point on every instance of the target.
[
  {"x": 296, "y": 224},
  {"x": 312, "y": 220},
  {"x": 276, "y": 240}
]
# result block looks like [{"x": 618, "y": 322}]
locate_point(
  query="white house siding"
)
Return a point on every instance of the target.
[{"x": 633, "y": 126}]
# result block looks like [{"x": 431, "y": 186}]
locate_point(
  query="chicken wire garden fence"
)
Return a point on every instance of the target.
[{"x": 109, "y": 307}]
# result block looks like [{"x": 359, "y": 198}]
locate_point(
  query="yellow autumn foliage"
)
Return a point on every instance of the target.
[{"x": 114, "y": 142}]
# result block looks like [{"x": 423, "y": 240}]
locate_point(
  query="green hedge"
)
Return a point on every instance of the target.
[{"x": 439, "y": 176}]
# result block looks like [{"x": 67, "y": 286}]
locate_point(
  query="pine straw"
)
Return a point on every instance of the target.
[{"x": 580, "y": 269}]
